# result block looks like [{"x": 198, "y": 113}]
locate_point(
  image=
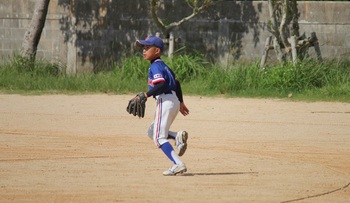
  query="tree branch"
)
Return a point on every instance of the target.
[
  {"x": 155, "y": 17},
  {"x": 195, "y": 11}
]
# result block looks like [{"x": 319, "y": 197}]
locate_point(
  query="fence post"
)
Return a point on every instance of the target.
[
  {"x": 266, "y": 51},
  {"x": 72, "y": 49},
  {"x": 316, "y": 46},
  {"x": 171, "y": 45},
  {"x": 294, "y": 49}
]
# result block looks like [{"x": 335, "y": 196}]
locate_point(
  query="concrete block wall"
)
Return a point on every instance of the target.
[
  {"x": 331, "y": 22},
  {"x": 102, "y": 34},
  {"x": 15, "y": 17}
]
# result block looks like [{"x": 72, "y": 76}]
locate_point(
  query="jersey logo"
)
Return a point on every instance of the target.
[{"x": 155, "y": 76}]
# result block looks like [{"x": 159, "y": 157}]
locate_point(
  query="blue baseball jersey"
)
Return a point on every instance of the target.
[{"x": 160, "y": 72}]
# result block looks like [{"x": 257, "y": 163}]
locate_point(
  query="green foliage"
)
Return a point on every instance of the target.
[
  {"x": 133, "y": 67},
  {"x": 37, "y": 68},
  {"x": 307, "y": 80},
  {"x": 187, "y": 67},
  {"x": 294, "y": 77}
]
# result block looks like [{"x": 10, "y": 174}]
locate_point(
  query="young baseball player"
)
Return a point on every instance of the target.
[{"x": 166, "y": 89}]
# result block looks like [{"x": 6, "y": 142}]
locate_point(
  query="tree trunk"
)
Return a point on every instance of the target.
[
  {"x": 33, "y": 33},
  {"x": 275, "y": 31},
  {"x": 284, "y": 22},
  {"x": 278, "y": 50},
  {"x": 273, "y": 21},
  {"x": 295, "y": 23}
]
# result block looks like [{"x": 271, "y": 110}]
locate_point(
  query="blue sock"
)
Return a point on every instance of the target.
[{"x": 167, "y": 149}]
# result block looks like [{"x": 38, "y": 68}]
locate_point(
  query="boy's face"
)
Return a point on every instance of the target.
[{"x": 150, "y": 52}]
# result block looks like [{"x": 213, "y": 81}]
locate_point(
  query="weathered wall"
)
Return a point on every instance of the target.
[
  {"x": 15, "y": 16},
  {"x": 101, "y": 34}
]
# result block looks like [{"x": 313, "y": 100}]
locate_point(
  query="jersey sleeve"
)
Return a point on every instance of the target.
[{"x": 156, "y": 74}]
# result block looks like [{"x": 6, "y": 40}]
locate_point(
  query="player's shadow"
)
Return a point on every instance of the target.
[{"x": 219, "y": 173}]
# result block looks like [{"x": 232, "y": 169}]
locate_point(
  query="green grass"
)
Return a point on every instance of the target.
[{"x": 308, "y": 80}]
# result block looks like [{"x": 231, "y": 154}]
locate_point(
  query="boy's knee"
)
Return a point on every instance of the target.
[
  {"x": 160, "y": 141},
  {"x": 150, "y": 134}
]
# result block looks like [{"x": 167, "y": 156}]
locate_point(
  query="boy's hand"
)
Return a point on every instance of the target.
[{"x": 183, "y": 109}]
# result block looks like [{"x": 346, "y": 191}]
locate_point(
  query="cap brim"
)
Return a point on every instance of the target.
[{"x": 141, "y": 43}]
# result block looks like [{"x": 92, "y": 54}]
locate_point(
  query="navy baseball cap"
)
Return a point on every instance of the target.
[{"x": 151, "y": 41}]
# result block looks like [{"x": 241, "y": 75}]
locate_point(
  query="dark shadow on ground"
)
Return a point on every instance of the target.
[{"x": 220, "y": 173}]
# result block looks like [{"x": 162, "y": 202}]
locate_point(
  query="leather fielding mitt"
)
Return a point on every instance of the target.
[{"x": 137, "y": 105}]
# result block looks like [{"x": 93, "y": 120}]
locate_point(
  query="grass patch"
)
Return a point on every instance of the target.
[{"x": 307, "y": 80}]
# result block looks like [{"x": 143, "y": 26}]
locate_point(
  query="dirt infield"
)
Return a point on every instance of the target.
[{"x": 86, "y": 148}]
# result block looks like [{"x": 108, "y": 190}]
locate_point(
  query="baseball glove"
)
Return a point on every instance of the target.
[{"x": 137, "y": 105}]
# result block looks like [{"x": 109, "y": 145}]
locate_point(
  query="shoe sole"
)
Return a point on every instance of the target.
[
  {"x": 184, "y": 141},
  {"x": 181, "y": 172},
  {"x": 174, "y": 174}
]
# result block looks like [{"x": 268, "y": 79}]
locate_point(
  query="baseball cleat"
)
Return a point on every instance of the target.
[
  {"x": 176, "y": 169},
  {"x": 181, "y": 142}
]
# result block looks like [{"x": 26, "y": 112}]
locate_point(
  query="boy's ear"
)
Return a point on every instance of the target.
[{"x": 158, "y": 51}]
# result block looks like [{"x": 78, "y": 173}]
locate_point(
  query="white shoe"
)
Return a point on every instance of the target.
[
  {"x": 181, "y": 142},
  {"x": 176, "y": 169}
]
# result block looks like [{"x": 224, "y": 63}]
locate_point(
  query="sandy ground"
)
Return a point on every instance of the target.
[{"x": 86, "y": 148}]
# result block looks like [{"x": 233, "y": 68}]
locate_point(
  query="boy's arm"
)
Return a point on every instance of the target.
[
  {"x": 183, "y": 108},
  {"x": 179, "y": 91},
  {"x": 157, "y": 89}
]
